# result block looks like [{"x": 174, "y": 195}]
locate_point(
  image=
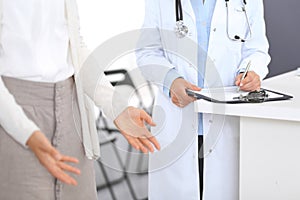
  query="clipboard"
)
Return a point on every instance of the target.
[{"x": 231, "y": 96}]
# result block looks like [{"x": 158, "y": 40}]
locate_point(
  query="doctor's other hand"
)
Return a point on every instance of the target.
[
  {"x": 51, "y": 159},
  {"x": 178, "y": 94},
  {"x": 250, "y": 83},
  {"x": 131, "y": 123}
]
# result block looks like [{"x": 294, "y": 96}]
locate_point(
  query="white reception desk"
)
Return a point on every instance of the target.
[{"x": 269, "y": 142}]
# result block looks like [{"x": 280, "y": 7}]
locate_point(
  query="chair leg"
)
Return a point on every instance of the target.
[
  {"x": 109, "y": 186},
  {"x": 129, "y": 184}
]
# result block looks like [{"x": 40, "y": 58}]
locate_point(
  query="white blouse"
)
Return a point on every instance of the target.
[
  {"x": 35, "y": 40},
  {"x": 34, "y": 46}
]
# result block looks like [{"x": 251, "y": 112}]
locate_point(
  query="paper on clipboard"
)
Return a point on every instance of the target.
[{"x": 231, "y": 94}]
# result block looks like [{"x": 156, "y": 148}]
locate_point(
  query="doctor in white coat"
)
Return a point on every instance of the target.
[{"x": 174, "y": 172}]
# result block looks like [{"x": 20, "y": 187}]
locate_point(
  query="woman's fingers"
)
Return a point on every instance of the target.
[
  {"x": 131, "y": 140},
  {"x": 141, "y": 146},
  {"x": 62, "y": 176},
  {"x": 145, "y": 142},
  {"x": 56, "y": 168},
  {"x": 147, "y": 118},
  {"x": 57, "y": 156},
  {"x": 69, "y": 159},
  {"x": 154, "y": 141},
  {"x": 68, "y": 168},
  {"x": 51, "y": 158}
]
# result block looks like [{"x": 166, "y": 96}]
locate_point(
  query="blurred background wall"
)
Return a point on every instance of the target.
[
  {"x": 102, "y": 19},
  {"x": 283, "y": 30}
]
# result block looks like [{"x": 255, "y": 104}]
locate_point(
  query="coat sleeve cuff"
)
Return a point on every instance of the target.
[{"x": 170, "y": 77}]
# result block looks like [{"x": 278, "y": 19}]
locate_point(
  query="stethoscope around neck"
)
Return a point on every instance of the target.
[{"x": 182, "y": 30}]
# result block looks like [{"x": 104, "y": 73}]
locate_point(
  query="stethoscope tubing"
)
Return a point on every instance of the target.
[
  {"x": 236, "y": 37},
  {"x": 179, "y": 13},
  {"x": 180, "y": 23}
]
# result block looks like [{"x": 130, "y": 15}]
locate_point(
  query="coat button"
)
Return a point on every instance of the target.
[{"x": 215, "y": 29}]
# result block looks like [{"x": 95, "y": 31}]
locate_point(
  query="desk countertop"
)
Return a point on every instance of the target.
[{"x": 288, "y": 83}]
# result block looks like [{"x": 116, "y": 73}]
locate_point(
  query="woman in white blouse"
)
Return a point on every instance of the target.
[{"x": 45, "y": 108}]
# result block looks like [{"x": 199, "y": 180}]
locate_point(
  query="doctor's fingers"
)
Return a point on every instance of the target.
[
  {"x": 192, "y": 86},
  {"x": 251, "y": 86},
  {"x": 186, "y": 101},
  {"x": 182, "y": 103},
  {"x": 251, "y": 82},
  {"x": 182, "y": 100},
  {"x": 238, "y": 79}
]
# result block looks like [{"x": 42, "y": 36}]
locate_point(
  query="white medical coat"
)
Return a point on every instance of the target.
[{"x": 173, "y": 172}]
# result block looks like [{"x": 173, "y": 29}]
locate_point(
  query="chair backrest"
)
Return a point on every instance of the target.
[
  {"x": 121, "y": 77},
  {"x": 125, "y": 78}
]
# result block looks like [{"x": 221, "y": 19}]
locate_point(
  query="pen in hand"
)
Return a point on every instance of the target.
[{"x": 244, "y": 75}]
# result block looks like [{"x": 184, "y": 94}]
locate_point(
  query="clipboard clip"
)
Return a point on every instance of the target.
[{"x": 257, "y": 96}]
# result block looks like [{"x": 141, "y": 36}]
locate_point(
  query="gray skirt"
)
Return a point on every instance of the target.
[{"x": 54, "y": 109}]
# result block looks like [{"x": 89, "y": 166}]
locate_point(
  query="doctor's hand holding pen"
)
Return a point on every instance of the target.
[
  {"x": 178, "y": 92},
  {"x": 250, "y": 82}
]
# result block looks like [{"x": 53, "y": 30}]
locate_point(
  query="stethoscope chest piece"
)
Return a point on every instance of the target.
[{"x": 181, "y": 30}]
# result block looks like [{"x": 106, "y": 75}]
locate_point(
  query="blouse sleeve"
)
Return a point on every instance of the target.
[{"x": 13, "y": 119}]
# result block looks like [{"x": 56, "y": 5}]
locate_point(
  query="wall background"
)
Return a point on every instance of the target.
[
  {"x": 283, "y": 30},
  {"x": 102, "y": 19}
]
